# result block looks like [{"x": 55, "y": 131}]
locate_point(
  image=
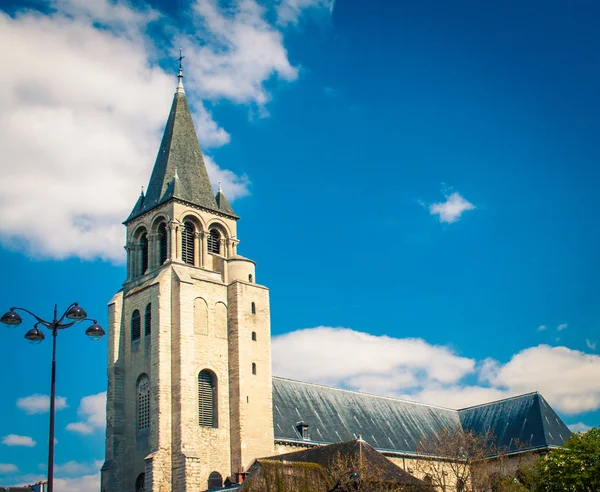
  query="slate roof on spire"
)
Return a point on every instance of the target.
[
  {"x": 179, "y": 154},
  {"x": 223, "y": 204}
]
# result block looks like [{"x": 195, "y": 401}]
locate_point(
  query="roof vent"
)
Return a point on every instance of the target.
[{"x": 302, "y": 428}]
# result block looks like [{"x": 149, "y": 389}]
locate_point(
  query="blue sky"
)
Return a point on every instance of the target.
[{"x": 417, "y": 184}]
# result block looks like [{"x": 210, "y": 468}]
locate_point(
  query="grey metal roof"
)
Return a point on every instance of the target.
[
  {"x": 336, "y": 415},
  {"x": 395, "y": 425},
  {"x": 518, "y": 423},
  {"x": 179, "y": 171},
  {"x": 223, "y": 203}
]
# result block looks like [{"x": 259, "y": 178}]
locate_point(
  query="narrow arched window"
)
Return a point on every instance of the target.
[
  {"x": 140, "y": 483},
  {"x": 207, "y": 399},
  {"x": 148, "y": 320},
  {"x": 135, "y": 325},
  {"x": 250, "y": 278},
  {"x": 254, "y": 368},
  {"x": 214, "y": 241},
  {"x": 144, "y": 252},
  {"x": 162, "y": 243},
  {"x": 253, "y": 308},
  {"x": 215, "y": 481},
  {"x": 187, "y": 242},
  {"x": 143, "y": 402},
  {"x": 254, "y": 336}
]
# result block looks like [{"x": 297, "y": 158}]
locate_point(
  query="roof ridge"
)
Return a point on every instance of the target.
[
  {"x": 500, "y": 400},
  {"x": 383, "y": 397}
]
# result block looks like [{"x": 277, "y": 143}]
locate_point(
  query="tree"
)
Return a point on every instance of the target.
[
  {"x": 575, "y": 467},
  {"x": 458, "y": 460}
]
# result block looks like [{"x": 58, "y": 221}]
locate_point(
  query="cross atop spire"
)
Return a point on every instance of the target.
[{"x": 180, "y": 89}]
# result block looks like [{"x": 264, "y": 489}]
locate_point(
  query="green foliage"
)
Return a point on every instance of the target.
[{"x": 575, "y": 467}]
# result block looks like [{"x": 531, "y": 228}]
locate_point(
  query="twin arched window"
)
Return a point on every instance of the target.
[
  {"x": 214, "y": 241},
  {"x": 187, "y": 242},
  {"x": 207, "y": 399},
  {"x": 143, "y": 402},
  {"x": 148, "y": 320},
  {"x": 136, "y": 326}
]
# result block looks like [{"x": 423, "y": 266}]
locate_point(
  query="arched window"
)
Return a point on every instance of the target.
[
  {"x": 207, "y": 399},
  {"x": 162, "y": 243},
  {"x": 140, "y": 483},
  {"x": 428, "y": 480},
  {"x": 148, "y": 320},
  {"x": 254, "y": 336},
  {"x": 253, "y": 308},
  {"x": 187, "y": 242},
  {"x": 214, "y": 241},
  {"x": 215, "y": 481},
  {"x": 144, "y": 252},
  {"x": 250, "y": 278},
  {"x": 254, "y": 368},
  {"x": 135, "y": 325},
  {"x": 143, "y": 402}
]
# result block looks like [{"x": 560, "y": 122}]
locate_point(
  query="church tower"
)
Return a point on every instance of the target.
[{"x": 189, "y": 358}]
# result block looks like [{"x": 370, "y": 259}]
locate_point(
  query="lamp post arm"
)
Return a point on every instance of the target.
[
  {"x": 39, "y": 320},
  {"x": 59, "y": 321}
]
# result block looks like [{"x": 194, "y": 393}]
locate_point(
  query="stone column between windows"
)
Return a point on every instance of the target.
[
  {"x": 152, "y": 251},
  {"x": 129, "y": 262},
  {"x": 174, "y": 236},
  {"x": 197, "y": 254},
  {"x": 234, "y": 243},
  {"x": 204, "y": 247}
]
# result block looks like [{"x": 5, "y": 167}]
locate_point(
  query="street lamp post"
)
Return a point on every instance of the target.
[{"x": 74, "y": 314}]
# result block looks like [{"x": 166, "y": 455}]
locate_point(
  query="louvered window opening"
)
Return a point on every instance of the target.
[
  {"x": 148, "y": 320},
  {"x": 135, "y": 325},
  {"x": 144, "y": 253},
  {"x": 187, "y": 243},
  {"x": 143, "y": 403},
  {"x": 206, "y": 400},
  {"x": 214, "y": 238},
  {"x": 162, "y": 243},
  {"x": 140, "y": 483}
]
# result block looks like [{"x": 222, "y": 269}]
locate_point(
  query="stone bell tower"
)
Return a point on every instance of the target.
[{"x": 189, "y": 357}]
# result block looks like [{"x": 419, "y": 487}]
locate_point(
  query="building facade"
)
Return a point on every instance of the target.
[{"x": 191, "y": 400}]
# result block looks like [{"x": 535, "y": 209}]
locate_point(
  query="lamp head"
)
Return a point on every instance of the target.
[
  {"x": 95, "y": 332},
  {"x": 76, "y": 313},
  {"x": 35, "y": 335},
  {"x": 11, "y": 318}
]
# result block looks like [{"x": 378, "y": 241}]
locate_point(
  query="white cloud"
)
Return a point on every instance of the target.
[
  {"x": 80, "y": 122},
  {"x": 579, "y": 427},
  {"x": 8, "y": 468},
  {"x": 562, "y": 327},
  {"x": 16, "y": 440},
  {"x": 591, "y": 345},
  {"x": 567, "y": 378},
  {"x": 235, "y": 51},
  {"x": 413, "y": 369},
  {"x": 380, "y": 364},
  {"x": 452, "y": 209},
  {"x": 77, "y": 484},
  {"x": 77, "y": 468},
  {"x": 289, "y": 11},
  {"x": 92, "y": 414},
  {"x": 542, "y": 327},
  {"x": 40, "y": 403}
]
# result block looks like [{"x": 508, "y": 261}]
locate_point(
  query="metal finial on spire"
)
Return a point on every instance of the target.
[
  {"x": 220, "y": 189},
  {"x": 180, "y": 75},
  {"x": 176, "y": 175},
  {"x": 142, "y": 193}
]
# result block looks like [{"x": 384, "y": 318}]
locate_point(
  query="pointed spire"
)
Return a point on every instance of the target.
[
  {"x": 180, "y": 89},
  {"x": 222, "y": 202},
  {"x": 179, "y": 171}
]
